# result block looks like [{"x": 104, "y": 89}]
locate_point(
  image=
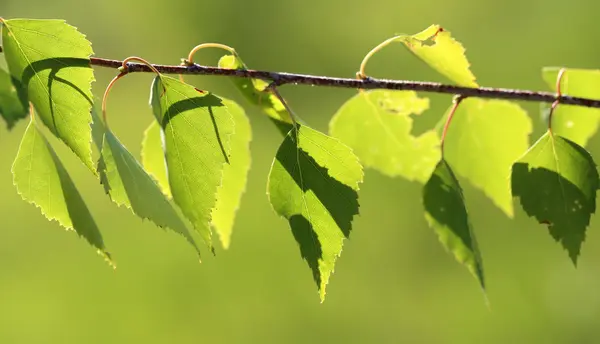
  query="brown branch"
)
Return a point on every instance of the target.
[{"x": 281, "y": 78}]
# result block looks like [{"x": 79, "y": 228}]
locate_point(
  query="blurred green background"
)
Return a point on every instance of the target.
[{"x": 393, "y": 283}]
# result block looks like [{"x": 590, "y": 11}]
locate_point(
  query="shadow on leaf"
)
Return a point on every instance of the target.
[
  {"x": 207, "y": 102},
  {"x": 555, "y": 202},
  {"x": 316, "y": 221}
]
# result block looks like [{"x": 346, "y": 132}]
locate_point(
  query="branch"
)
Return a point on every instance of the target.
[{"x": 281, "y": 78}]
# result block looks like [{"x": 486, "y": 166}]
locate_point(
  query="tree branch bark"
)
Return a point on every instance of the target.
[{"x": 282, "y": 78}]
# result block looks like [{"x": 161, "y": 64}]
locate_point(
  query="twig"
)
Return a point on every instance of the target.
[{"x": 281, "y": 78}]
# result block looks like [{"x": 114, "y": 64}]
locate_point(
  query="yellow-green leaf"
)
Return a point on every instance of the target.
[
  {"x": 235, "y": 175},
  {"x": 576, "y": 123},
  {"x": 377, "y": 126},
  {"x": 153, "y": 157},
  {"x": 253, "y": 90},
  {"x": 484, "y": 139},
  {"x": 51, "y": 59},
  {"x": 436, "y": 47}
]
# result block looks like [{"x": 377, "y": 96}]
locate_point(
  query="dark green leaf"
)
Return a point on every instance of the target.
[
  {"x": 446, "y": 213},
  {"x": 13, "y": 99},
  {"x": 556, "y": 181}
]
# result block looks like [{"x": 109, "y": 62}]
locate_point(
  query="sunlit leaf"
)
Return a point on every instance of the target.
[
  {"x": 484, "y": 139},
  {"x": 446, "y": 213},
  {"x": 13, "y": 99},
  {"x": 556, "y": 181},
  {"x": 436, "y": 47},
  {"x": 253, "y": 90},
  {"x": 51, "y": 59},
  {"x": 576, "y": 123},
  {"x": 313, "y": 183},
  {"x": 153, "y": 157},
  {"x": 377, "y": 126},
  {"x": 129, "y": 185},
  {"x": 235, "y": 175},
  {"x": 197, "y": 127},
  {"x": 41, "y": 179}
]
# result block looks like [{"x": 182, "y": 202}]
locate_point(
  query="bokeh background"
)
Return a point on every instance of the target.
[{"x": 393, "y": 283}]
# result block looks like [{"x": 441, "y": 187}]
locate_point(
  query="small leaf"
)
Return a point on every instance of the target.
[
  {"x": 313, "y": 183},
  {"x": 197, "y": 127},
  {"x": 377, "y": 126},
  {"x": 127, "y": 183},
  {"x": 576, "y": 123},
  {"x": 446, "y": 213},
  {"x": 235, "y": 175},
  {"x": 153, "y": 157},
  {"x": 13, "y": 99},
  {"x": 556, "y": 181},
  {"x": 253, "y": 91},
  {"x": 436, "y": 47},
  {"x": 485, "y": 138},
  {"x": 51, "y": 59},
  {"x": 41, "y": 179}
]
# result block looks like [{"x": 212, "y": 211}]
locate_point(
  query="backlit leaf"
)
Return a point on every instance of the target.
[
  {"x": 235, "y": 175},
  {"x": 377, "y": 126},
  {"x": 127, "y": 183},
  {"x": 51, "y": 59},
  {"x": 436, "y": 47},
  {"x": 253, "y": 90},
  {"x": 576, "y": 123},
  {"x": 484, "y": 139},
  {"x": 556, "y": 181},
  {"x": 446, "y": 213},
  {"x": 197, "y": 127},
  {"x": 41, "y": 179},
  {"x": 153, "y": 157},
  {"x": 13, "y": 99},
  {"x": 313, "y": 183}
]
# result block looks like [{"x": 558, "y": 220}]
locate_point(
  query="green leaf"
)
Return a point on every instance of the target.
[
  {"x": 436, "y": 47},
  {"x": 484, "y": 139},
  {"x": 446, "y": 213},
  {"x": 576, "y": 123},
  {"x": 313, "y": 183},
  {"x": 41, "y": 179},
  {"x": 197, "y": 127},
  {"x": 127, "y": 184},
  {"x": 556, "y": 181},
  {"x": 253, "y": 91},
  {"x": 13, "y": 99},
  {"x": 153, "y": 157},
  {"x": 51, "y": 59},
  {"x": 235, "y": 175},
  {"x": 377, "y": 126}
]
